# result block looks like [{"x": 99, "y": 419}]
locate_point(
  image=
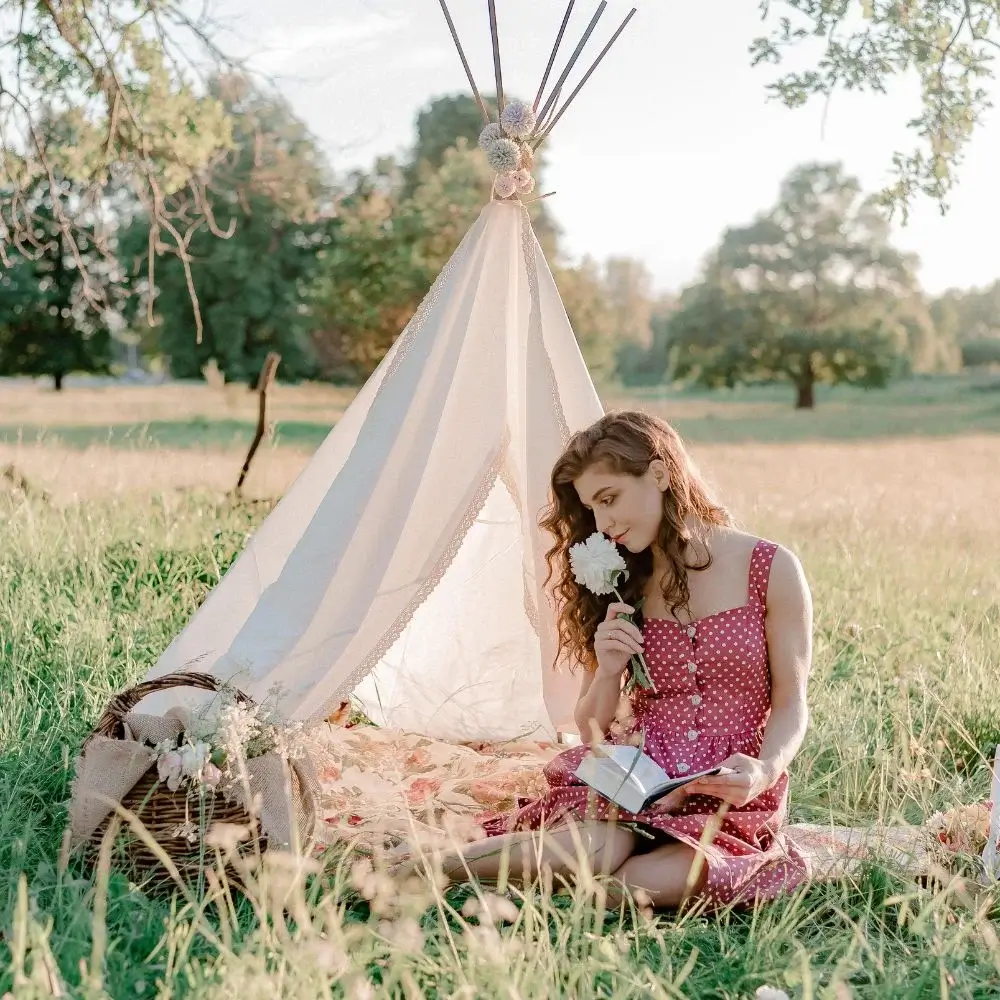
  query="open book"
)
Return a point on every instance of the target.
[{"x": 630, "y": 778}]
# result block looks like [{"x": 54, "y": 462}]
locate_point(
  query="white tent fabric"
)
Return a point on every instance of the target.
[{"x": 405, "y": 564}]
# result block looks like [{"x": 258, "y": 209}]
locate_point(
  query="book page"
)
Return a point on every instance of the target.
[{"x": 646, "y": 774}]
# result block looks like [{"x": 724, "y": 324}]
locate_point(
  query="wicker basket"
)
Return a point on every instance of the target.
[{"x": 164, "y": 813}]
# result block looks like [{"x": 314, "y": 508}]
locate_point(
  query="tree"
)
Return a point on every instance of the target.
[
  {"x": 798, "y": 294},
  {"x": 270, "y": 195},
  {"x": 949, "y": 45},
  {"x": 585, "y": 297},
  {"x": 47, "y": 324},
  {"x": 926, "y": 347},
  {"x": 630, "y": 293},
  {"x": 969, "y": 315},
  {"x": 104, "y": 96},
  {"x": 981, "y": 353},
  {"x": 398, "y": 225},
  {"x": 368, "y": 281},
  {"x": 390, "y": 248},
  {"x": 971, "y": 320},
  {"x": 445, "y": 205},
  {"x": 439, "y": 126},
  {"x": 657, "y": 365}
]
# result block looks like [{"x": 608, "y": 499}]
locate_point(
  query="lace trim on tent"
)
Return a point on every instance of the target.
[
  {"x": 529, "y": 248},
  {"x": 395, "y": 630}
]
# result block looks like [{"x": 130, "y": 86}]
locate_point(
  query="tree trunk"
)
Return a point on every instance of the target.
[
  {"x": 806, "y": 399},
  {"x": 58, "y": 379}
]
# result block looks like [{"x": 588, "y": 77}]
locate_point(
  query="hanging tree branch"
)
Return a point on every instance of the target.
[
  {"x": 949, "y": 46},
  {"x": 106, "y": 100}
]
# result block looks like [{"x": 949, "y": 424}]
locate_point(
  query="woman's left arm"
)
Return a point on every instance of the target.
[{"x": 789, "y": 646}]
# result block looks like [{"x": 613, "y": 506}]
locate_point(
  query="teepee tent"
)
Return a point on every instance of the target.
[{"x": 405, "y": 566}]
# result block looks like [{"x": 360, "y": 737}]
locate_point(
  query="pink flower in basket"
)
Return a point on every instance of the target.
[
  {"x": 211, "y": 775},
  {"x": 169, "y": 768}
]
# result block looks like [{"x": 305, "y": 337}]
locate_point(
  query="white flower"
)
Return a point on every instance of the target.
[
  {"x": 503, "y": 155},
  {"x": 187, "y": 830},
  {"x": 518, "y": 120},
  {"x": 491, "y": 133},
  {"x": 169, "y": 768},
  {"x": 525, "y": 182},
  {"x": 770, "y": 993},
  {"x": 194, "y": 756},
  {"x": 505, "y": 185},
  {"x": 289, "y": 741},
  {"x": 597, "y": 564},
  {"x": 237, "y": 727}
]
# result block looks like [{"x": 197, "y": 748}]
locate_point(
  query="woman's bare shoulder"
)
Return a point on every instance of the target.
[{"x": 725, "y": 542}]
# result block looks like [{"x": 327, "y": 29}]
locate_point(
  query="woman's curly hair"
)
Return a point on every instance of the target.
[{"x": 626, "y": 442}]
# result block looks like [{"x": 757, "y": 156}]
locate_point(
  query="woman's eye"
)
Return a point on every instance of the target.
[{"x": 607, "y": 501}]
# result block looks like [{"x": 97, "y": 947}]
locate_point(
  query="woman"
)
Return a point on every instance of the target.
[{"x": 726, "y": 634}]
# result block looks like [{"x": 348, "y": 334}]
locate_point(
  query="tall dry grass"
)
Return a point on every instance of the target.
[{"x": 898, "y": 540}]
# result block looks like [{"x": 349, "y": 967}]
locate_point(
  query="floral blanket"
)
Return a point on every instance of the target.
[{"x": 386, "y": 791}]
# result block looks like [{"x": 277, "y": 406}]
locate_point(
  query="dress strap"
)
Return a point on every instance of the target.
[{"x": 760, "y": 570}]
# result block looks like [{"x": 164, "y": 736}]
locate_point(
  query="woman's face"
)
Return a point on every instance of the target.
[{"x": 628, "y": 509}]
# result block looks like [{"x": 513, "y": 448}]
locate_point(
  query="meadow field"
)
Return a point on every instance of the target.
[{"x": 890, "y": 499}]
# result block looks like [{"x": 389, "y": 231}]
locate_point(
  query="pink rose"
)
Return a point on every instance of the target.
[{"x": 211, "y": 775}]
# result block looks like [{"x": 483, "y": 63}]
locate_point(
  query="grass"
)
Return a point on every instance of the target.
[
  {"x": 188, "y": 415},
  {"x": 897, "y": 534}
]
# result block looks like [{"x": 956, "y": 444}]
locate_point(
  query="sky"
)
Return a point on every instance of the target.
[{"x": 673, "y": 139}]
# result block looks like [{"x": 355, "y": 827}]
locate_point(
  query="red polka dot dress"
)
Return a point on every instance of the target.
[{"x": 712, "y": 699}]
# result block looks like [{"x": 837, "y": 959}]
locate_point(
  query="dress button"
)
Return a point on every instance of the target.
[
  {"x": 696, "y": 699},
  {"x": 683, "y": 768},
  {"x": 692, "y": 734},
  {"x": 691, "y": 631},
  {"x": 692, "y": 667}
]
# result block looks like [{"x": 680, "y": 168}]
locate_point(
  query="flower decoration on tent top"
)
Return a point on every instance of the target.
[
  {"x": 507, "y": 145},
  {"x": 510, "y": 143},
  {"x": 598, "y": 565}
]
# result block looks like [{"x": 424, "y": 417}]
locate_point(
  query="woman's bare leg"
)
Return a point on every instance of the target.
[
  {"x": 669, "y": 875},
  {"x": 601, "y": 847}
]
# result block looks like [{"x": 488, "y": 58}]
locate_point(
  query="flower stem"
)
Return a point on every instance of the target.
[{"x": 640, "y": 671}]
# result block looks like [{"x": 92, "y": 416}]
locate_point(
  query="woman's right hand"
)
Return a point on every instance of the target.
[{"x": 616, "y": 641}]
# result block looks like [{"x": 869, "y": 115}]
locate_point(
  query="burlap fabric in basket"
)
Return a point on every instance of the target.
[{"x": 117, "y": 765}]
